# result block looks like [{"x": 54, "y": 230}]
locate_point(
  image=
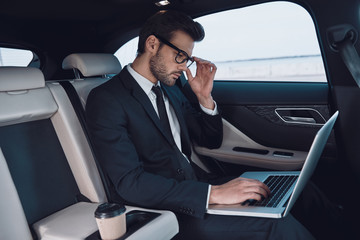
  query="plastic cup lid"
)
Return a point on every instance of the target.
[{"x": 109, "y": 210}]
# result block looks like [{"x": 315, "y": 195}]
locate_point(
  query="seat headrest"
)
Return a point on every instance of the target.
[
  {"x": 20, "y": 78},
  {"x": 92, "y": 64}
]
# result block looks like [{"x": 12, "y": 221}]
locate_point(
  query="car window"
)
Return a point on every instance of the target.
[
  {"x": 267, "y": 42},
  {"x": 126, "y": 54},
  {"x": 15, "y": 57}
]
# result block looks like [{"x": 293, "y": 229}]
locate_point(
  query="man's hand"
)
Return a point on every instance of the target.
[
  {"x": 237, "y": 191},
  {"x": 202, "y": 83}
]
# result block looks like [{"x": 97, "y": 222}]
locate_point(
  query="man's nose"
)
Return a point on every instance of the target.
[{"x": 182, "y": 66}]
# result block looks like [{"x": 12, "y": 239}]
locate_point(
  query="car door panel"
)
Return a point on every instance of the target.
[
  {"x": 269, "y": 124},
  {"x": 238, "y": 148}
]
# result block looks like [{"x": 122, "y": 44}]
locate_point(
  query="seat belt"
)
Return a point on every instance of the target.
[
  {"x": 351, "y": 59},
  {"x": 342, "y": 39}
]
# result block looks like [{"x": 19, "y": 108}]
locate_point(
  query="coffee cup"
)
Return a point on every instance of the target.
[{"x": 111, "y": 220}]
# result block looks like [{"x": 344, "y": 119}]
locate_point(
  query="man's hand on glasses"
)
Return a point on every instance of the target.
[{"x": 202, "y": 82}]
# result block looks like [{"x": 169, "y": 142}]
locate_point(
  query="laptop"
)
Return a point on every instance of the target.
[{"x": 285, "y": 186}]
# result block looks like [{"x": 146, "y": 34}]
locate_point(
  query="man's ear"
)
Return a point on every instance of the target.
[{"x": 152, "y": 44}]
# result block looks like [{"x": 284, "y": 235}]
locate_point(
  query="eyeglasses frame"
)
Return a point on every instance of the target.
[{"x": 187, "y": 59}]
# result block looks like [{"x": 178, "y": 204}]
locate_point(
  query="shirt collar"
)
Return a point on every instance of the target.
[{"x": 144, "y": 83}]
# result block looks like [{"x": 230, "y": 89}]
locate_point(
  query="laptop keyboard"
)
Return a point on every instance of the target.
[{"x": 278, "y": 186}]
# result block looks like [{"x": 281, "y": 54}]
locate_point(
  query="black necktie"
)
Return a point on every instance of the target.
[{"x": 164, "y": 120}]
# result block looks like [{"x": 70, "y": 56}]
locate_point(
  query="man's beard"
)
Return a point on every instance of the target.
[{"x": 158, "y": 69}]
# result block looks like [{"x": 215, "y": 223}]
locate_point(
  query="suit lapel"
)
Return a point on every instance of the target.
[{"x": 137, "y": 92}]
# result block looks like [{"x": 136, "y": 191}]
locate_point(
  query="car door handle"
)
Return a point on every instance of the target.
[
  {"x": 300, "y": 116},
  {"x": 300, "y": 119}
]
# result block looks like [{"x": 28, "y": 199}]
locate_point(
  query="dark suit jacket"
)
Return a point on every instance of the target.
[{"x": 143, "y": 164}]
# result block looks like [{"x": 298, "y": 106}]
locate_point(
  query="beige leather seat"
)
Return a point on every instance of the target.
[
  {"x": 46, "y": 166},
  {"x": 43, "y": 185},
  {"x": 91, "y": 70}
]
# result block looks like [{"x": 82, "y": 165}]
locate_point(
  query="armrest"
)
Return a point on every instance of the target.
[
  {"x": 74, "y": 222},
  {"x": 78, "y": 222}
]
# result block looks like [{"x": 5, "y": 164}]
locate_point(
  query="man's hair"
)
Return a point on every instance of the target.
[{"x": 165, "y": 23}]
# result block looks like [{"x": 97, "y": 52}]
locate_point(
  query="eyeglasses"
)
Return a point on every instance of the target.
[{"x": 181, "y": 56}]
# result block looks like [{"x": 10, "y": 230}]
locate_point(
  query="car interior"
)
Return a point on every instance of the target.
[{"x": 51, "y": 181}]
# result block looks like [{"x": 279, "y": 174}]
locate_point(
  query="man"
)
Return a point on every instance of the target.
[{"x": 146, "y": 151}]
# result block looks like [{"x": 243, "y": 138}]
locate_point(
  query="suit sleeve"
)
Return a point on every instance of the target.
[
  {"x": 204, "y": 129},
  {"x": 108, "y": 125}
]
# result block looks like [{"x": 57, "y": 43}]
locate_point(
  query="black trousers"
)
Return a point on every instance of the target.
[{"x": 218, "y": 227}]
